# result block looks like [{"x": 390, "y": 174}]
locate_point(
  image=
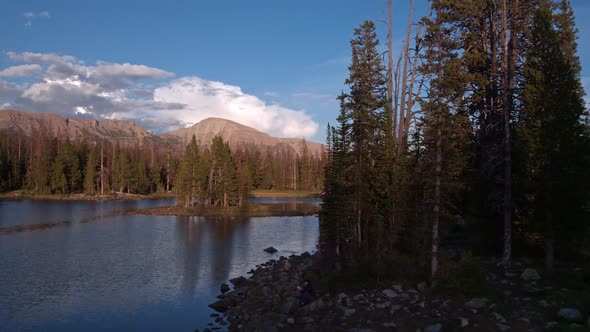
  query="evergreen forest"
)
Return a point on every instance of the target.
[{"x": 475, "y": 140}]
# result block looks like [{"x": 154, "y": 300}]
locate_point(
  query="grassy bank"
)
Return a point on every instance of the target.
[
  {"x": 285, "y": 193},
  {"x": 20, "y": 194}
]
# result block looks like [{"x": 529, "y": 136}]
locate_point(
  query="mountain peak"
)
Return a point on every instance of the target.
[{"x": 238, "y": 135}]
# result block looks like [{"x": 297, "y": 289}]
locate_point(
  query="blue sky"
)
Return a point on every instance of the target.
[{"x": 276, "y": 65}]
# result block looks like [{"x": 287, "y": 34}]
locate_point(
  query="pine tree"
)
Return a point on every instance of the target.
[
  {"x": 90, "y": 179},
  {"x": 554, "y": 142},
  {"x": 445, "y": 135},
  {"x": 356, "y": 206}
]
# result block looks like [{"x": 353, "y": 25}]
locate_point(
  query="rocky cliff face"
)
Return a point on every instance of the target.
[{"x": 127, "y": 133}]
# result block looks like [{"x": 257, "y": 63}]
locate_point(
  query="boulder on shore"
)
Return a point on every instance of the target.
[
  {"x": 222, "y": 305},
  {"x": 224, "y": 288},
  {"x": 530, "y": 275},
  {"x": 237, "y": 282},
  {"x": 570, "y": 314}
]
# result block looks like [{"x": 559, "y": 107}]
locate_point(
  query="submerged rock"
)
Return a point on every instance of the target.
[{"x": 271, "y": 250}]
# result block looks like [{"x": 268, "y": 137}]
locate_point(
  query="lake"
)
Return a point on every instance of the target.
[{"x": 90, "y": 268}]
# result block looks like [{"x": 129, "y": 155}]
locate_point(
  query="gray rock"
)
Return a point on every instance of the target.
[
  {"x": 476, "y": 303},
  {"x": 224, "y": 288},
  {"x": 267, "y": 291},
  {"x": 359, "y": 297},
  {"x": 270, "y": 250},
  {"x": 287, "y": 266},
  {"x": 269, "y": 328},
  {"x": 543, "y": 303},
  {"x": 288, "y": 305},
  {"x": 316, "y": 305},
  {"x": 499, "y": 317},
  {"x": 290, "y": 320},
  {"x": 395, "y": 308},
  {"x": 503, "y": 327},
  {"x": 383, "y": 305},
  {"x": 530, "y": 275},
  {"x": 239, "y": 281},
  {"x": 463, "y": 322},
  {"x": 434, "y": 328},
  {"x": 221, "y": 305},
  {"x": 389, "y": 293},
  {"x": 397, "y": 288},
  {"x": 524, "y": 320},
  {"x": 570, "y": 314},
  {"x": 422, "y": 287},
  {"x": 348, "y": 312},
  {"x": 389, "y": 325},
  {"x": 551, "y": 325},
  {"x": 342, "y": 296}
]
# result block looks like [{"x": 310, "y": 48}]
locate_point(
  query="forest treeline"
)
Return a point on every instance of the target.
[
  {"x": 479, "y": 128},
  {"x": 43, "y": 164}
]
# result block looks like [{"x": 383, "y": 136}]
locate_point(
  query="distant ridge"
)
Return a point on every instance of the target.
[
  {"x": 28, "y": 123},
  {"x": 128, "y": 133}
]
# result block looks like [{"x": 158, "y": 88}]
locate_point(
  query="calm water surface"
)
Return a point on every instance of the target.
[{"x": 96, "y": 270}]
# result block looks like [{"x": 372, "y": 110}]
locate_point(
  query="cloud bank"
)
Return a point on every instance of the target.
[
  {"x": 205, "y": 99},
  {"x": 151, "y": 97}
]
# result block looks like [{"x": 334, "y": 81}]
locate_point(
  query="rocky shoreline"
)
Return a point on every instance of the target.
[{"x": 268, "y": 301}]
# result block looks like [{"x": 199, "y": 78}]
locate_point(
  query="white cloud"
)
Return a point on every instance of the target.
[
  {"x": 116, "y": 75},
  {"x": 205, "y": 99},
  {"x": 42, "y": 58},
  {"x": 9, "y": 90},
  {"x": 143, "y": 94},
  {"x": 20, "y": 71},
  {"x": 30, "y": 16}
]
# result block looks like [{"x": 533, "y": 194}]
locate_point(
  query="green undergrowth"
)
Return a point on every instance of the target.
[{"x": 465, "y": 277}]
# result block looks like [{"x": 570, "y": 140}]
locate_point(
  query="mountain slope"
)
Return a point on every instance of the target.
[
  {"x": 125, "y": 132},
  {"x": 238, "y": 135}
]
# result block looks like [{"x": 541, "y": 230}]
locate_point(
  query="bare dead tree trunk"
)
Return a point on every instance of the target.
[
  {"x": 295, "y": 172},
  {"x": 102, "y": 168},
  {"x": 411, "y": 99},
  {"x": 397, "y": 82},
  {"x": 436, "y": 209},
  {"x": 437, "y": 176},
  {"x": 168, "y": 170},
  {"x": 404, "y": 79},
  {"x": 390, "y": 62},
  {"x": 507, "y": 101}
]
